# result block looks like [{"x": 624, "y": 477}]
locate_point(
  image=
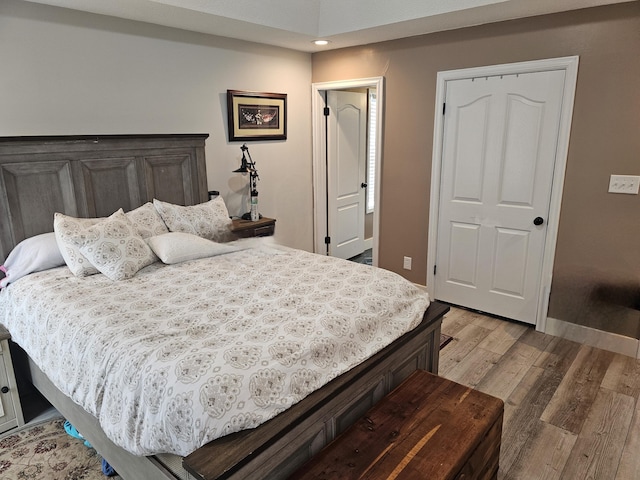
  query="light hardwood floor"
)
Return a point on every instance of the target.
[{"x": 571, "y": 411}]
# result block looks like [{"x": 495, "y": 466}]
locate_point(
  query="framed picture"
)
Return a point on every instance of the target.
[{"x": 256, "y": 116}]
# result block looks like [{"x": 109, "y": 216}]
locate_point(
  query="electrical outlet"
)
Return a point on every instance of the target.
[
  {"x": 407, "y": 263},
  {"x": 629, "y": 184}
]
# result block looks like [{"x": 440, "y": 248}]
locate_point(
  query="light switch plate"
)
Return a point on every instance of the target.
[{"x": 624, "y": 184}]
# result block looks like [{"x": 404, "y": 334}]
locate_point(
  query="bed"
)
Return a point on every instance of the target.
[{"x": 90, "y": 176}]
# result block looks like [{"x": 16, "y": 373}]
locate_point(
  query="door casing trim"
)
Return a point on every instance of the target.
[
  {"x": 570, "y": 66},
  {"x": 318, "y": 154}
]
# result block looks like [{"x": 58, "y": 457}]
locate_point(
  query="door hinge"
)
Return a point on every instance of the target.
[
  {"x": 327, "y": 240},
  {"x": 434, "y": 269},
  {"x": 444, "y": 108},
  {"x": 326, "y": 111}
]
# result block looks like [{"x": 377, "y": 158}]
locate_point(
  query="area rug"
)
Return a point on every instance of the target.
[{"x": 45, "y": 451}]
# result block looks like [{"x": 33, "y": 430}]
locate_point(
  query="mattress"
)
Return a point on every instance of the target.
[{"x": 182, "y": 354}]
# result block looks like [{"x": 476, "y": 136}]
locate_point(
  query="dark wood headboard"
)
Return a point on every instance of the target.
[{"x": 93, "y": 176}]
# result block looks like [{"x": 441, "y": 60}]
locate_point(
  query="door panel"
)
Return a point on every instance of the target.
[
  {"x": 469, "y": 150},
  {"x": 510, "y": 262},
  {"x": 347, "y": 233},
  {"x": 522, "y": 137},
  {"x": 463, "y": 255},
  {"x": 346, "y": 169},
  {"x": 499, "y": 147}
]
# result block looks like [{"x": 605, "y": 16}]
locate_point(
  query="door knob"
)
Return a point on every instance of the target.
[
  {"x": 363, "y": 185},
  {"x": 538, "y": 221}
]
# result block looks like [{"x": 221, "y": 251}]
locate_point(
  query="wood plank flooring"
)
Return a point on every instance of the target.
[{"x": 571, "y": 411}]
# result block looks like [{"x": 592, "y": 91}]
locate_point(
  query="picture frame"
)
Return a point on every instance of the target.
[{"x": 256, "y": 116}]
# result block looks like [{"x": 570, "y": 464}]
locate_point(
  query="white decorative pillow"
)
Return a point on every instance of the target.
[
  {"x": 208, "y": 220},
  {"x": 66, "y": 230},
  {"x": 176, "y": 247},
  {"x": 115, "y": 248},
  {"x": 33, "y": 254},
  {"x": 147, "y": 221}
]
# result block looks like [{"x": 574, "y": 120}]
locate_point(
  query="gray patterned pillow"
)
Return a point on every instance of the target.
[
  {"x": 66, "y": 229},
  {"x": 147, "y": 221},
  {"x": 208, "y": 220},
  {"x": 115, "y": 248}
]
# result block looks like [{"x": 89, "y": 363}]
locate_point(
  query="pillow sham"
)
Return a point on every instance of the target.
[
  {"x": 66, "y": 230},
  {"x": 115, "y": 248},
  {"x": 31, "y": 255},
  {"x": 147, "y": 221},
  {"x": 208, "y": 220},
  {"x": 177, "y": 247}
]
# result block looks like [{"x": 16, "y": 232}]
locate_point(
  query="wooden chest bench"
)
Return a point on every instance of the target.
[{"x": 428, "y": 428}]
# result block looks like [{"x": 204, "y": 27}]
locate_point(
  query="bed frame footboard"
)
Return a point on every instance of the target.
[{"x": 278, "y": 447}]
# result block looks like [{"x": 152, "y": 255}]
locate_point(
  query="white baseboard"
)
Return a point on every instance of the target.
[
  {"x": 612, "y": 342},
  {"x": 368, "y": 243}
]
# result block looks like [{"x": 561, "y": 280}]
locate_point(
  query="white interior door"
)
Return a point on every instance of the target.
[
  {"x": 498, "y": 155},
  {"x": 346, "y": 151}
]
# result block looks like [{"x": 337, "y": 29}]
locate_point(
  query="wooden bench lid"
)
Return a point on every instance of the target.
[{"x": 427, "y": 428}]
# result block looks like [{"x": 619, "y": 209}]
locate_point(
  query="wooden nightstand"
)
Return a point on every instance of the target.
[
  {"x": 260, "y": 228},
  {"x": 10, "y": 408}
]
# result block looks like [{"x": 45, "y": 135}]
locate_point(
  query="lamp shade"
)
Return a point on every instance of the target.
[{"x": 244, "y": 166}]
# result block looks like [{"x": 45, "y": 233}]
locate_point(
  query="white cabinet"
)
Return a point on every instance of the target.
[{"x": 10, "y": 408}]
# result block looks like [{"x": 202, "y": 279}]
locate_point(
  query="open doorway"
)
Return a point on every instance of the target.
[{"x": 325, "y": 219}]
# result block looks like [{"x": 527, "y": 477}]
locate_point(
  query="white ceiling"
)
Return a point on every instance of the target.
[{"x": 296, "y": 23}]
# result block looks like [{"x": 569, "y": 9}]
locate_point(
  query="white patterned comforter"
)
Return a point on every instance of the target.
[{"x": 182, "y": 354}]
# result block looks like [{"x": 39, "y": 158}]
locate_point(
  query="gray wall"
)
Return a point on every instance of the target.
[{"x": 68, "y": 72}]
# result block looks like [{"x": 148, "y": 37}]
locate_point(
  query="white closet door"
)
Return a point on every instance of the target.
[{"x": 499, "y": 149}]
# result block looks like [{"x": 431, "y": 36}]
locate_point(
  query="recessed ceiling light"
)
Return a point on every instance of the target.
[{"x": 321, "y": 42}]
